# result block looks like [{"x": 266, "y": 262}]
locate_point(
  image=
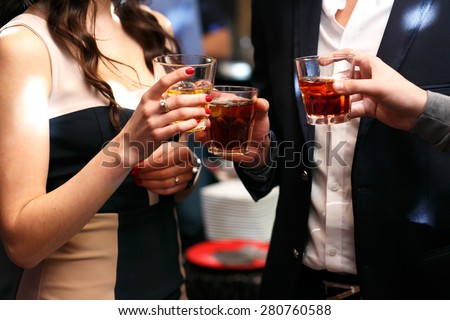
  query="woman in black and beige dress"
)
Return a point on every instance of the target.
[{"x": 86, "y": 204}]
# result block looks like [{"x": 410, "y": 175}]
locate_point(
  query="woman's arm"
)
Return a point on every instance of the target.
[{"x": 34, "y": 223}]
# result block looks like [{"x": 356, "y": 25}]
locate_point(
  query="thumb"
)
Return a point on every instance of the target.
[{"x": 262, "y": 108}]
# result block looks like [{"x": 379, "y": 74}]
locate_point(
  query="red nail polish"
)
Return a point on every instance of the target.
[
  {"x": 208, "y": 98},
  {"x": 198, "y": 120},
  {"x": 190, "y": 71},
  {"x": 208, "y": 111},
  {"x": 138, "y": 181}
]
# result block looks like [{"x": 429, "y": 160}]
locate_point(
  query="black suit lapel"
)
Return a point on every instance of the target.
[
  {"x": 306, "y": 36},
  {"x": 402, "y": 27},
  {"x": 307, "y": 20}
]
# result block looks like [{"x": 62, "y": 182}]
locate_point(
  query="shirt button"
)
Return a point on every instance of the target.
[
  {"x": 332, "y": 252},
  {"x": 334, "y": 186},
  {"x": 305, "y": 175}
]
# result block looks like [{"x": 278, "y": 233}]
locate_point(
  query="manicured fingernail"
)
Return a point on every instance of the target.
[
  {"x": 138, "y": 181},
  {"x": 208, "y": 111},
  {"x": 139, "y": 165},
  {"x": 190, "y": 71},
  {"x": 133, "y": 173},
  {"x": 208, "y": 98},
  {"x": 198, "y": 120}
]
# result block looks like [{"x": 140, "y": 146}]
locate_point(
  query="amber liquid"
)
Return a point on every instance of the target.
[
  {"x": 322, "y": 102},
  {"x": 231, "y": 126},
  {"x": 189, "y": 88}
]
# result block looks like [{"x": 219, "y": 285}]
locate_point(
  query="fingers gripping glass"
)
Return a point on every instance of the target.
[
  {"x": 232, "y": 119},
  {"x": 201, "y": 82},
  {"x": 316, "y": 76}
]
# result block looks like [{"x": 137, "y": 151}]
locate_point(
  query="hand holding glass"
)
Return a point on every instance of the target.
[
  {"x": 232, "y": 118},
  {"x": 201, "y": 82},
  {"x": 315, "y": 77}
]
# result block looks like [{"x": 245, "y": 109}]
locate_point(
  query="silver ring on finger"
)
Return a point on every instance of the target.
[
  {"x": 176, "y": 180},
  {"x": 163, "y": 104}
]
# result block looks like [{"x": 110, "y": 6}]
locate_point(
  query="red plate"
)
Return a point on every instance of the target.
[{"x": 229, "y": 254}]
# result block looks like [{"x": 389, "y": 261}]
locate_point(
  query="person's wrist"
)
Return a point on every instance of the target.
[
  {"x": 421, "y": 102},
  {"x": 418, "y": 105},
  {"x": 123, "y": 152}
]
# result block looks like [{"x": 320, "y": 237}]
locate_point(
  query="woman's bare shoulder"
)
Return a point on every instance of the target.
[
  {"x": 21, "y": 40},
  {"x": 23, "y": 53}
]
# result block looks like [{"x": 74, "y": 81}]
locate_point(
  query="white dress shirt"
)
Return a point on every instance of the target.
[{"x": 331, "y": 245}]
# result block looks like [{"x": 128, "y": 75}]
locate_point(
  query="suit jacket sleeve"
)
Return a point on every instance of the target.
[
  {"x": 434, "y": 124},
  {"x": 260, "y": 182}
]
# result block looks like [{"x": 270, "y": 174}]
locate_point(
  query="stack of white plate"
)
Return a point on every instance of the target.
[{"x": 229, "y": 212}]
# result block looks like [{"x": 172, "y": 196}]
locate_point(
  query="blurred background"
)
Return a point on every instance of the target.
[{"x": 218, "y": 28}]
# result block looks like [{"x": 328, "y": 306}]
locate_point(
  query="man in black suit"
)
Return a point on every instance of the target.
[{"x": 397, "y": 219}]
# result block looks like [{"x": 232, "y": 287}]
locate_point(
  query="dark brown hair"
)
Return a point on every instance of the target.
[{"x": 68, "y": 25}]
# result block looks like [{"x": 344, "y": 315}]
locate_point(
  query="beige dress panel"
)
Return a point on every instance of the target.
[{"x": 91, "y": 273}]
